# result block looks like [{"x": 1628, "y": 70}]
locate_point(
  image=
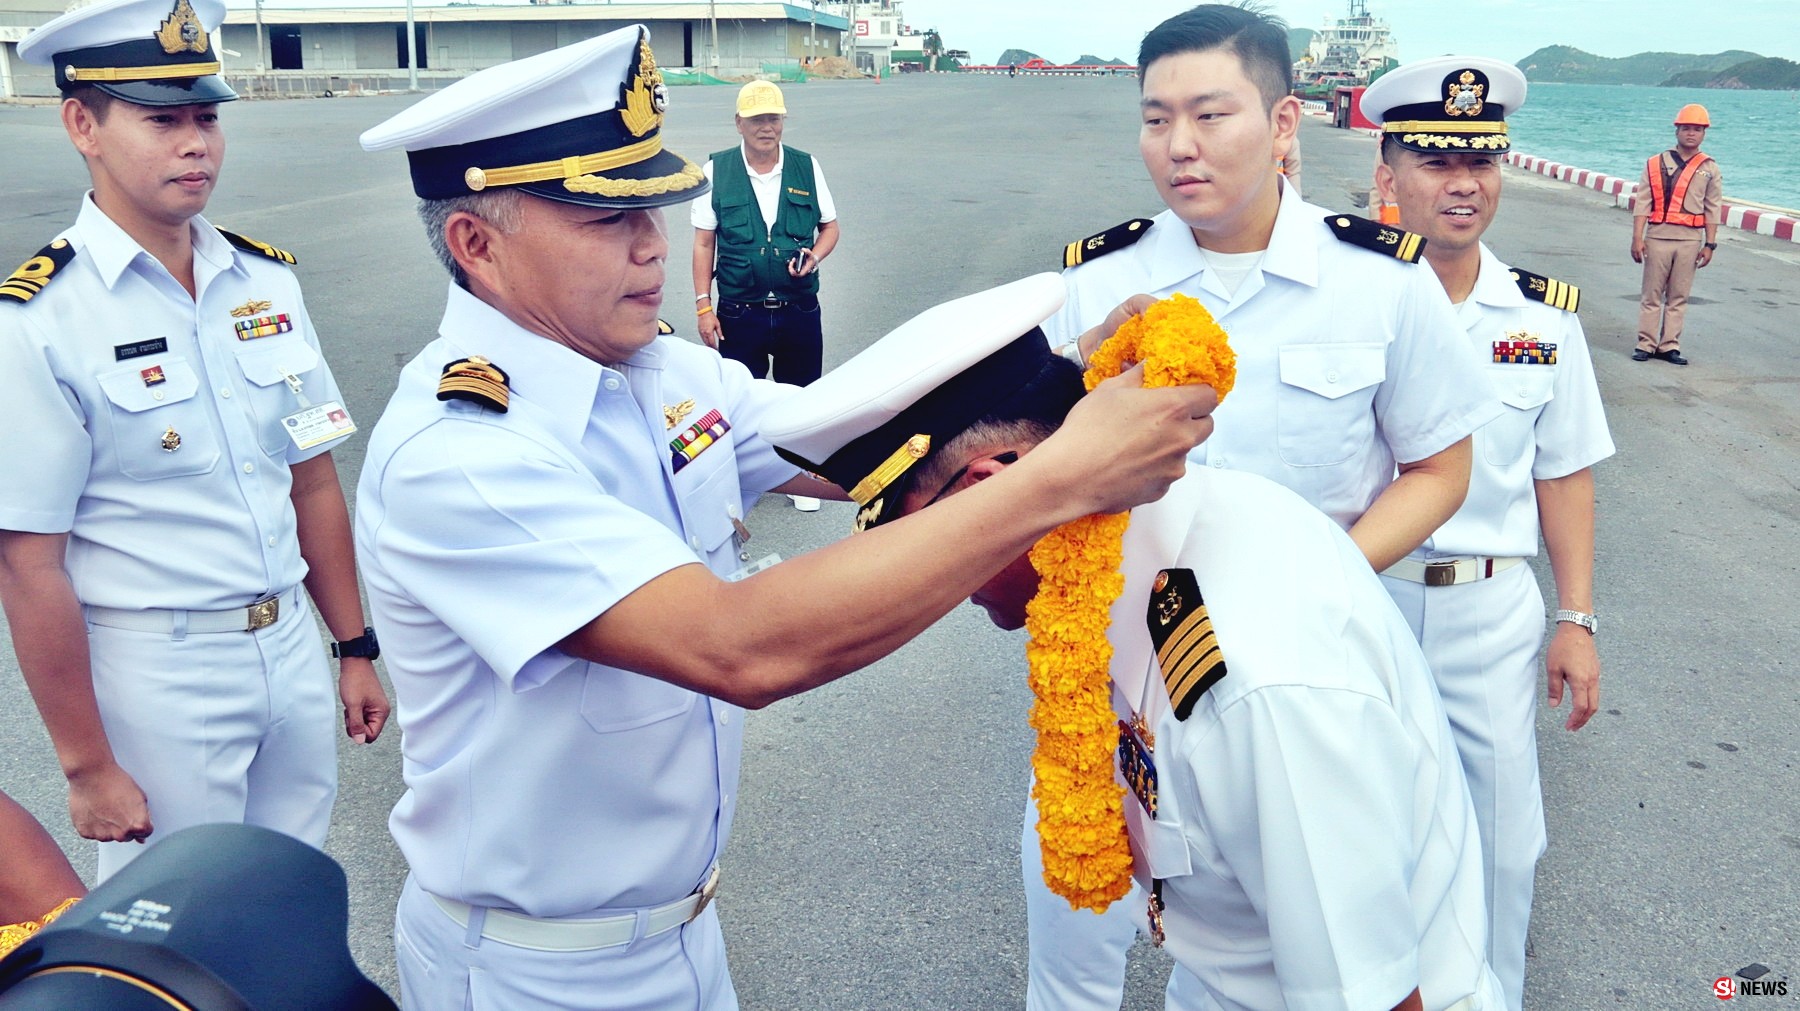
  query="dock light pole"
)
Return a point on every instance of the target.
[
  {"x": 412, "y": 49},
  {"x": 712, "y": 15},
  {"x": 259, "y": 44}
]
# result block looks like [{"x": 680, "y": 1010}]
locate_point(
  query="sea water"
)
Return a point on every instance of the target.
[{"x": 1615, "y": 128}]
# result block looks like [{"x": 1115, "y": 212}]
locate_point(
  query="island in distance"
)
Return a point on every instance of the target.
[{"x": 1735, "y": 68}]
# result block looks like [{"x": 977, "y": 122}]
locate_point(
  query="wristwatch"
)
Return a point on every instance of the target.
[
  {"x": 1587, "y": 621},
  {"x": 1710, "y": 245},
  {"x": 363, "y": 646}
]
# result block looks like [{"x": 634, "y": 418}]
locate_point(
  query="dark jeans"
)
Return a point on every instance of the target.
[{"x": 789, "y": 335}]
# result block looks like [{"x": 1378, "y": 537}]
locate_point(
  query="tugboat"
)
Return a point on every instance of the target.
[{"x": 1347, "y": 51}]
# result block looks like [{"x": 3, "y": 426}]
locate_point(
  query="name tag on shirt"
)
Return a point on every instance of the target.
[
  {"x": 319, "y": 424},
  {"x": 140, "y": 349}
]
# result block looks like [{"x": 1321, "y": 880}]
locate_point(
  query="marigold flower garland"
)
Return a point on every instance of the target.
[{"x": 1081, "y": 819}]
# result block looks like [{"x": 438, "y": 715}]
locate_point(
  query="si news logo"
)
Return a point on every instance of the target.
[{"x": 1751, "y": 984}]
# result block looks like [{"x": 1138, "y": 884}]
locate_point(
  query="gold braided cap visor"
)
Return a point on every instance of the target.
[
  {"x": 580, "y": 172},
  {"x": 163, "y": 73},
  {"x": 1442, "y": 126}
]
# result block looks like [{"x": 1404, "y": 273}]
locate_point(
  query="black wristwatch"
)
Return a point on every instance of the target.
[
  {"x": 363, "y": 646},
  {"x": 1710, "y": 245}
]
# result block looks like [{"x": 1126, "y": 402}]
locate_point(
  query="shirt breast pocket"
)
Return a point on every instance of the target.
[
  {"x": 162, "y": 430},
  {"x": 709, "y": 507},
  {"x": 614, "y": 700},
  {"x": 265, "y": 372},
  {"x": 1324, "y": 410},
  {"x": 1524, "y": 389}
]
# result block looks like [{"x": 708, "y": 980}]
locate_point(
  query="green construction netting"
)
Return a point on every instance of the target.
[
  {"x": 690, "y": 77},
  {"x": 786, "y": 72}
]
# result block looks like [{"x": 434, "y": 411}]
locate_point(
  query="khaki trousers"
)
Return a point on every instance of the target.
[{"x": 1668, "y": 277}]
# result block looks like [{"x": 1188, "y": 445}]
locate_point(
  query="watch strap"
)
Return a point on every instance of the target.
[
  {"x": 1581, "y": 618},
  {"x": 363, "y": 646}
]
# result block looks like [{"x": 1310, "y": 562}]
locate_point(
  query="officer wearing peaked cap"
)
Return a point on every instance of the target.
[
  {"x": 1296, "y": 803},
  {"x": 1352, "y": 391},
  {"x": 176, "y": 485},
  {"x": 1473, "y": 603},
  {"x": 553, "y": 489}
]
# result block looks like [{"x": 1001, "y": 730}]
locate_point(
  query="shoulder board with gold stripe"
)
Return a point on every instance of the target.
[
  {"x": 476, "y": 380},
  {"x": 1548, "y": 290},
  {"x": 35, "y": 273},
  {"x": 1112, "y": 240},
  {"x": 1187, "y": 651},
  {"x": 663, "y": 328},
  {"x": 1384, "y": 239},
  {"x": 244, "y": 242}
]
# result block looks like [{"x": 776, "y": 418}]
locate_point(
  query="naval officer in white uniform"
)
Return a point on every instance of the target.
[
  {"x": 1466, "y": 591},
  {"x": 546, "y": 512},
  {"x": 169, "y": 484},
  {"x": 1350, "y": 367},
  {"x": 1312, "y": 840}
]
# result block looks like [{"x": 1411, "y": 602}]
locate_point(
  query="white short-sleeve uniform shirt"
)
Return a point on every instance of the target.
[
  {"x": 1348, "y": 360},
  {"x": 536, "y": 781},
  {"x": 111, "y": 362},
  {"x": 767, "y": 187},
  {"x": 1314, "y": 834},
  {"x": 1553, "y": 423}
]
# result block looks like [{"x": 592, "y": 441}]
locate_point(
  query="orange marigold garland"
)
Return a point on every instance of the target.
[{"x": 1081, "y": 819}]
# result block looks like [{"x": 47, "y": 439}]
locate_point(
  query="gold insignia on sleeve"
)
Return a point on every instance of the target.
[
  {"x": 1110, "y": 241},
  {"x": 868, "y": 515},
  {"x": 1548, "y": 290},
  {"x": 248, "y": 244},
  {"x": 1187, "y": 650},
  {"x": 182, "y": 32},
  {"x": 1372, "y": 235},
  {"x": 35, "y": 273},
  {"x": 476, "y": 380},
  {"x": 673, "y": 416}
]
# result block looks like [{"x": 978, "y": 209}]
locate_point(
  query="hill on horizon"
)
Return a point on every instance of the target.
[
  {"x": 1769, "y": 73},
  {"x": 1568, "y": 65},
  {"x": 1016, "y": 56}
]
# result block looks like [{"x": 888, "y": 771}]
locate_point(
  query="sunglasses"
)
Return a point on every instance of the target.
[{"x": 1009, "y": 457}]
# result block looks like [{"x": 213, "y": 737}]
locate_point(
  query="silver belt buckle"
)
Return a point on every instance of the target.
[
  {"x": 771, "y": 302},
  {"x": 1440, "y": 573},
  {"x": 263, "y": 613},
  {"x": 707, "y": 891}
]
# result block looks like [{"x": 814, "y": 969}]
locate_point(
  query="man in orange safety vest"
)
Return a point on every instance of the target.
[{"x": 1674, "y": 231}]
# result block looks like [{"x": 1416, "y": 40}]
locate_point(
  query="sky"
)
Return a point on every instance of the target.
[{"x": 1061, "y": 30}]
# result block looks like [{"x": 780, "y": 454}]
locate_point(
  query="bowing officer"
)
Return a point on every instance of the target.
[
  {"x": 1471, "y": 600},
  {"x": 1296, "y": 813},
  {"x": 552, "y": 512},
  {"x": 177, "y": 487}
]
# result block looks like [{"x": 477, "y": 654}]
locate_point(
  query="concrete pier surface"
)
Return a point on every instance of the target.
[{"x": 875, "y": 857}]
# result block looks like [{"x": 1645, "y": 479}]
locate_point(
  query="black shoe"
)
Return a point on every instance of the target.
[
  {"x": 1674, "y": 358},
  {"x": 1640, "y": 355}
]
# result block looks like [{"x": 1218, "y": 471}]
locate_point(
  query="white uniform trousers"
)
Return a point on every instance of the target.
[
  {"x": 1482, "y": 641},
  {"x": 1076, "y": 958},
  {"x": 445, "y": 966},
  {"x": 221, "y": 727}
]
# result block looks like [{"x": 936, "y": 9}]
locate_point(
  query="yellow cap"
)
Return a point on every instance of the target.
[
  {"x": 760, "y": 98},
  {"x": 1692, "y": 114}
]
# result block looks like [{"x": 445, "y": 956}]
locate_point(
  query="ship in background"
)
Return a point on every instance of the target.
[{"x": 1350, "y": 51}]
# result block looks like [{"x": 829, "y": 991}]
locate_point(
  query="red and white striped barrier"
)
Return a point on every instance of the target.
[{"x": 1762, "y": 221}]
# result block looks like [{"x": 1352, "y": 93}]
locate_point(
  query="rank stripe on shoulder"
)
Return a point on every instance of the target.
[
  {"x": 35, "y": 273},
  {"x": 248, "y": 244},
  {"x": 1113, "y": 239},
  {"x": 476, "y": 380},
  {"x": 1187, "y": 649},
  {"x": 1373, "y": 235},
  {"x": 663, "y": 328},
  {"x": 1548, "y": 290}
]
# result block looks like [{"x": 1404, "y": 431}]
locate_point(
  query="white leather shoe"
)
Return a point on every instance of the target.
[{"x": 805, "y": 503}]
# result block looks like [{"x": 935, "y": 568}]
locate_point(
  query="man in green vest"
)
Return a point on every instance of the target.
[{"x": 768, "y": 226}]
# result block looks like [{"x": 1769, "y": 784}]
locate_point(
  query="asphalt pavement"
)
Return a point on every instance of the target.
[{"x": 874, "y": 863}]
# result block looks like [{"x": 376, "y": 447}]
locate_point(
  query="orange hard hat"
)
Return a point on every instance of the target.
[{"x": 1693, "y": 114}]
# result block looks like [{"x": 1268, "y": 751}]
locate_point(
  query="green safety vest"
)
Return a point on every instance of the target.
[{"x": 752, "y": 260}]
